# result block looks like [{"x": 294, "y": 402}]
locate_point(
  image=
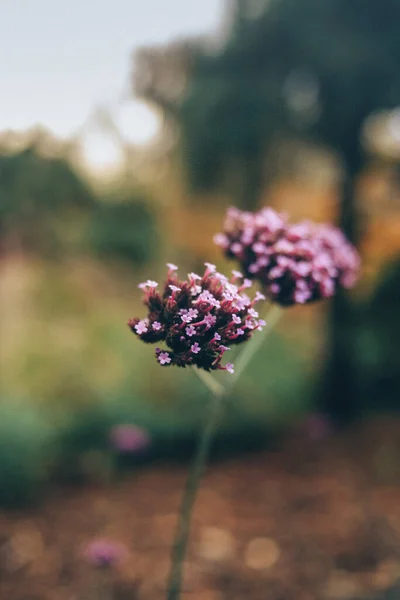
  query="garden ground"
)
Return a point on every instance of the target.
[{"x": 307, "y": 520}]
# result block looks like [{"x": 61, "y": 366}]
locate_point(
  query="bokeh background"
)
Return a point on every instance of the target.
[{"x": 126, "y": 130}]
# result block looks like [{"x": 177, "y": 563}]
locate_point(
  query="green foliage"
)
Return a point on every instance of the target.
[
  {"x": 46, "y": 208},
  {"x": 38, "y": 198},
  {"x": 124, "y": 229},
  {"x": 275, "y": 388},
  {"x": 84, "y": 448},
  {"x": 24, "y": 452},
  {"x": 82, "y": 445},
  {"x": 279, "y": 380}
]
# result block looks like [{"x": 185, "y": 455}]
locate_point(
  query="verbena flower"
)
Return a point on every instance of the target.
[
  {"x": 198, "y": 319},
  {"x": 318, "y": 426},
  {"x": 295, "y": 264},
  {"x": 103, "y": 553},
  {"x": 129, "y": 438}
]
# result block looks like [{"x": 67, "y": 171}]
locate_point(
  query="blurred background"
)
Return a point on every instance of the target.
[{"x": 126, "y": 130}]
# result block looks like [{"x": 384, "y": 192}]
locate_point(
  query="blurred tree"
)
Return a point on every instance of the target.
[
  {"x": 36, "y": 192},
  {"x": 339, "y": 65},
  {"x": 228, "y": 114},
  {"x": 161, "y": 73},
  {"x": 307, "y": 69}
]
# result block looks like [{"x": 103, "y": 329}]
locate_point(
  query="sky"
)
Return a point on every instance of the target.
[{"x": 59, "y": 60}]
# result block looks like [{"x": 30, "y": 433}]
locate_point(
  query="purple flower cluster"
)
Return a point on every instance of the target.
[
  {"x": 295, "y": 263},
  {"x": 199, "y": 318},
  {"x": 129, "y": 438},
  {"x": 103, "y": 553}
]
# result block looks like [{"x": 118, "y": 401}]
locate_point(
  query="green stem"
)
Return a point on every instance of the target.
[
  {"x": 272, "y": 317},
  {"x": 196, "y": 472},
  {"x": 213, "y": 385}
]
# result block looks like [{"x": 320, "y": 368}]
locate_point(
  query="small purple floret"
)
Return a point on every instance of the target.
[
  {"x": 104, "y": 553},
  {"x": 129, "y": 438}
]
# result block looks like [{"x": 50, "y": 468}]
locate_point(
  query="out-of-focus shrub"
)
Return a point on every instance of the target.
[
  {"x": 41, "y": 200},
  {"x": 276, "y": 389},
  {"x": 170, "y": 409},
  {"x": 84, "y": 449},
  {"x": 124, "y": 229},
  {"x": 24, "y": 455}
]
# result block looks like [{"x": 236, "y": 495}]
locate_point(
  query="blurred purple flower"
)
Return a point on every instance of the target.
[
  {"x": 104, "y": 553},
  {"x": 318, "y": 427},
  {"x": 129, "y": 438},
  {"x": 295, "y": 264}
]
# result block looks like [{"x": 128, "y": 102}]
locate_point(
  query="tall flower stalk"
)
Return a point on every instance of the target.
[
  {"x": 192, "y": 486},
  {"x": 216, "y": 405},
  {"x": 200, "y": 318},
  {"x": 272, "y": 317}
]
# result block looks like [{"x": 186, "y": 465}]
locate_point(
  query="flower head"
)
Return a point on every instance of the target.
[
  {"x": 295, "y": 264},
  {"x": 104, "y": 553},
  {"x": 129, "y": 438},
  {"x": 197, "y": 319}
]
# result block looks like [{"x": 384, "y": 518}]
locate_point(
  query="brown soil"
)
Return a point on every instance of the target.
[{"x": 309, "y": 521}]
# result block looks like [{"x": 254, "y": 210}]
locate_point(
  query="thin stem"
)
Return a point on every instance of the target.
[
  {"x": 213, "y": 385},
  {"x": 272, "y": 317},
  {"x": 103, "y": 588},
  {"x": 218, "y": 392},
  {"x": 196, "y": 471}
]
